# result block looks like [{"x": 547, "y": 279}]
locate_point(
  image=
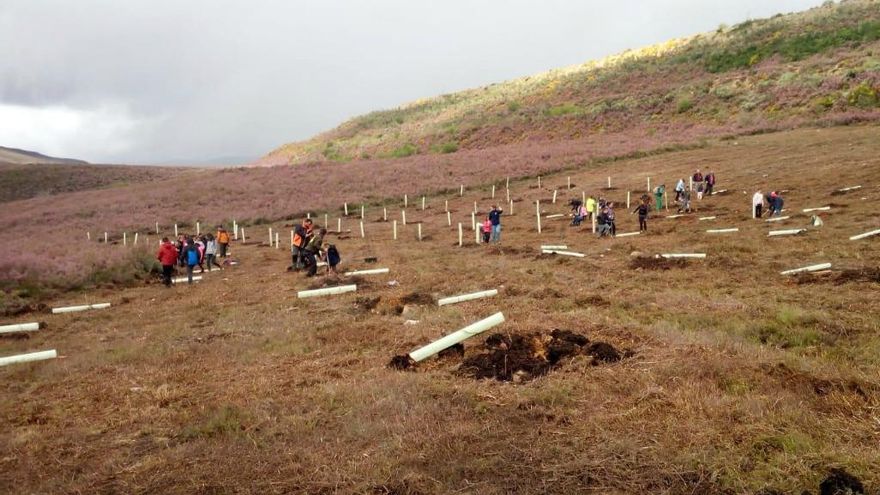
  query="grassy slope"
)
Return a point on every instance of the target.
[
  {"x": 769, "y": 73},
  {"x": 742, "y": 379},
  {"x": 23, "y": 181},
  {"x": 18, "y": 156}
]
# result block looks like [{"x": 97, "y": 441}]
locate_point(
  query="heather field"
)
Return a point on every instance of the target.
[{"x": 727, "y": 377}]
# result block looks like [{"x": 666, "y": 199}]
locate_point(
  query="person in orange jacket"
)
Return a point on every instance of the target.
[
  {"x": 168, "y": 258},
  {"x": 222, "y": 240}
]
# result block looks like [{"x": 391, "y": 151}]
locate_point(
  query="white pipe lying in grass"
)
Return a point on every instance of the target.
[
  {"x": 73, "y": 309},
  {"x": 707, "y": 218},
  {"x": 556, "y": 215},
  {"x": 853, "y": 188},
  {"x": 719, "y": 192},
  {"x": 865, "y": 235},
  {"x": 627, "y": 234},
  {"x": 823, "y": 208},
  {"x": 811, "y": 268},
  {"x": 777, "y": 219},
  {"x": 563, "y": 253},
  {"x": 180, "y": 280},
  {"x": 561, "y": 246},
  {"x": 375, "y": 271},
  {"x": 326, "y": 292},
  {"x": 31, "y": 356},
  {"x": 674, "y": 216},
  {"x": 456, "y": 337},
  {"x": 19, "y": 327},
  {"x": 683, "y": 255},
  {"x": 721, "y": 231},
  {"x": 774, "y": 233},
  {"x": 467, "y": 297}
]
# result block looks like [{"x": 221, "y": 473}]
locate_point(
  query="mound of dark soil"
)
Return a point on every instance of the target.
[
  {"x": 521, "y": 358},
  {"x": 401, "y": 362},
  {"x": 455, "y": 350},
  {"x": 649, "y": 263},
  {"x": 839, "y": 482},
  {"x": 417, "y": 298},
  {"x": 367, "y": 303}
]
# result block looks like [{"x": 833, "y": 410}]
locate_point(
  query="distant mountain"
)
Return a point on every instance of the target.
[
  {"x": 820, "y": 66},
  {"x": 18, "y": 157}
]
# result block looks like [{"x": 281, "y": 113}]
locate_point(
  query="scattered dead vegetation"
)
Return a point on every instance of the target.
[{"x": 856, "y": 275}]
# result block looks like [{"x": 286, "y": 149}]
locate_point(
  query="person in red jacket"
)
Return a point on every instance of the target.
[{"x": 168, "y": 257}]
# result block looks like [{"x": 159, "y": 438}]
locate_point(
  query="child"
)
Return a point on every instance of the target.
[
  {"x": 642, "y": 210},
  {"x": 332, "y": 258},
  {"x": 487, "y": 230}
]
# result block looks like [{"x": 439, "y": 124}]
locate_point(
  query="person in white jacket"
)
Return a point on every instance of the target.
[{"x": 757, "y": 204}]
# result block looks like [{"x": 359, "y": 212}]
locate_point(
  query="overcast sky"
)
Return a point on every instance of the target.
[{"x": 152, "y": 81}]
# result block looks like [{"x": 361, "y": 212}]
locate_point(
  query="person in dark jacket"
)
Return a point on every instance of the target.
[
  {"x": 495, "y": 220},
  {"x": 312, "y": 249},
  {"x": 710, "y": 183},
  {"x": 168, "y": 258},
  {"x": 642, "y": 210},
  {"x": 301, "y": 236}
]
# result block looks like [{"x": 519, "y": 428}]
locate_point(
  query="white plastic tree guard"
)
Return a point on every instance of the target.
[
  {"x": 561, "y": 246},
  {"x": 467, "y": 297},
  {"x": 329, "y": 291},
  {"x": 719, "y": 192},
  {"x": 674, "y": 216},
  {"x": 775, "y": 233},
  {"x": 683, "y": 255},
  {"x": 865, "y": 235},
  {"x": 19, "y": 327},
  {"x": 556, "y": 215},
  {"x": 374, "y": 271},
  {"x": 627, "y": 234},
  {"x": 180, "y": 280},
  {"x": 853, "y": 188},
  {"x": 822, "y": 208},
  {"x": 811, "y": 268},
  {"x": 456, "y": 337},
  {"x": 85, "y": 307},
  {"x": 31, "y": 356},
  {"x": 777, "y": 219},
  {"x": 706, "y": 218},
  {"x": 563, "y": 253},
  {"x": 722, "y": 231}
]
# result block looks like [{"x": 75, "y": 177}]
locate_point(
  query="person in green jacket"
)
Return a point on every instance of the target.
[
  {"x": 312, "y": 250},
  {"x": 659, "y": 191}
]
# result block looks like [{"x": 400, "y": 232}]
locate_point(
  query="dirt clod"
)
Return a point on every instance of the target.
[
  {"x": 401, "y": 362},
  {"x": 840, "y": 482},
  {"x": 520, "y": 358},
  {"x": 603, "y": 352},
  {"x": 367, "y": 303},
  {"x": 417, "y": 298},
  {"x": 455, "y": 350}
]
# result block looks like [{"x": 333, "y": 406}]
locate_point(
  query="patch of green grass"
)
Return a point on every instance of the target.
[
  {"x": 684, "y": 105},
  {"x": 407, "y": 149},
  {"x": 565, "y": 109},
  {"x": 513, "y": 106},
  {"x": 228, "y": 420},
  {"x": 444, "y": 148},
  {"x": 864, "y": 96}
]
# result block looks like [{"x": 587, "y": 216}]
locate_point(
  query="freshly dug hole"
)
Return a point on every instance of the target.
[{"x": 648, "y": 263}]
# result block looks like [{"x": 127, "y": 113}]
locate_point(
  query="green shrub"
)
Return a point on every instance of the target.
[
  {"x": 863, "y": 96},
  {"x": 513, "y": 106},
  {"x": 450, "y": 147},
  {"x": 684, "y": 105},
  {"x": 561, "y": 110},
  {"x": 407, "y": 149}
]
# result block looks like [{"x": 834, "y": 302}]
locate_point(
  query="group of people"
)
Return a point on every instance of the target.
[
  {"x": 700, "y": 185},
  {"x": 491, "y": 226},
  {"x": 601, "y": 208},
  {"x": 773, "y": 200},
  {"x": 189, "y": 252},
  {"x": 308, "y": 246}
]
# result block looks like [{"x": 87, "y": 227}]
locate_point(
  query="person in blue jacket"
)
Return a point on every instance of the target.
[{"x": 495, "y": 219}]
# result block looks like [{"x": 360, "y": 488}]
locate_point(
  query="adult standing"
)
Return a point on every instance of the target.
[
  {"x": 679, "y": 189},
  {"x": 710, "y": 182},
  {"x": 192, "y": 256},
  {"x": 222, "y": 240},
  {"x": 642, "y": 210},
  {"x": 211, "y": 252},
  {"x": 697, "y": 178},
  {"x": 495, "y": 220},
  {"x": 168, "y": 258},
  {"x": 757, "y": 204},
  {"x": 300, "y": 240},
  {"x": 591, "y": 206},
  {"x": 659, "y": 192}
]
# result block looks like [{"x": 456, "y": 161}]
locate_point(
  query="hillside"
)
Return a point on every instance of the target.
[
  {"x": 23, "y": 181},
  {"x": 17, "y": 156},
  {"x": 819, "y": 66},
  {"x": 734, "y": 379}
]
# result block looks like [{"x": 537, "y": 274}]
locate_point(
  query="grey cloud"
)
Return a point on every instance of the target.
[{"x": 206, "y": 78}]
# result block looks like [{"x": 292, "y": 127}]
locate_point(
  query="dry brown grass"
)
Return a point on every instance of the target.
[{"x": 741, "y": 380}]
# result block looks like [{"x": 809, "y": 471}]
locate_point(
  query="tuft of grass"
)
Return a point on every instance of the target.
[
  {"x": 406, "y": 150},
  {"x": 228, "y": 420}
]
